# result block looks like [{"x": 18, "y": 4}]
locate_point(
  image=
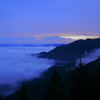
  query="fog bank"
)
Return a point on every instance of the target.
[
  {"x": 88, "y": 57},
  {"x": 17, "y": 64}
]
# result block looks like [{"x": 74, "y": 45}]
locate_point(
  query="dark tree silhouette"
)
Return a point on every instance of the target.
[
  {"x": 80, "y": 86},
  {"x": 96, "y": 85},
  {"x": 23, "y": 95},
  {"x": 54, "y": 90}
]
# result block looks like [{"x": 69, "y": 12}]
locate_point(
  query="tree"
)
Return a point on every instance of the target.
[
  {"x": 80, "y": 84},
  {"x": 96, "y": 85},
  {"x": 23, "y": 95},
  {"x": 54, "y": 90}
]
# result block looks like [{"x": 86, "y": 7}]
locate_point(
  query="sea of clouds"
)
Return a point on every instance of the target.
[{"x": 17, "y": 64}]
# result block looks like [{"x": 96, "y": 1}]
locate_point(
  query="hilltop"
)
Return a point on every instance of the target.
[{"x": 72, "y": 51}]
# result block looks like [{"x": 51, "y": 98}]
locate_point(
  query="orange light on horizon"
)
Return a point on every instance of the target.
[{"x": 76, "y": 37}]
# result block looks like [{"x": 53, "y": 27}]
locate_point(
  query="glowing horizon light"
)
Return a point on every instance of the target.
[{"x": 80, "y": 37}]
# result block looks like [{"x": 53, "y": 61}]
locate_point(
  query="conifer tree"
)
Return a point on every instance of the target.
[
  {"x": 55, "y": 90},
  {"x": 79, "y": 85},
  {"x": 96, "y": 85},
  {"x": 23, "y": 95}
]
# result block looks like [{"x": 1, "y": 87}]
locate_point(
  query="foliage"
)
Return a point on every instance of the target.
[
  {"x": 23, "y": 95},
  {"x": 54, "y": 90},
  {"x": 82, "y": 86}
]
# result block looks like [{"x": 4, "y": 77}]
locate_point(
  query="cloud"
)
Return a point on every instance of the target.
[
  {"x": 17, "y": 65},
  {"x": 88, "y": 57},
  {"x": 52, "y": 38},
  {"x": 87, "y": 34},
  {"x": 46, "y": 39}
]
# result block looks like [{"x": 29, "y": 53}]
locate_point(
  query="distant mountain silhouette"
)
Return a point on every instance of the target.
[
  {"x": 28, "y": 45},
  {"x": 72, "y": 51}
]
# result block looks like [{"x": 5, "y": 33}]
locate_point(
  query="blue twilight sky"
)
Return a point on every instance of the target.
[{"x": 45, "y": 20}]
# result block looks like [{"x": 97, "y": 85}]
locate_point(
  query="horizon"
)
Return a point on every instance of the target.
[{"x": 37, "y": 41}]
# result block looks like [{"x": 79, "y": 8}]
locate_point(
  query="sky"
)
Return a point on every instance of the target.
[{"x": 48, "y": 21}]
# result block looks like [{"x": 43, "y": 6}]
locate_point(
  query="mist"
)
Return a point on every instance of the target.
[
  {"x": 89, "y": 56},
  {"x": 17, "y": 64}
]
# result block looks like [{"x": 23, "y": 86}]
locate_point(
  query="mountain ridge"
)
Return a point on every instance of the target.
[{"x": 72, "y": 51}]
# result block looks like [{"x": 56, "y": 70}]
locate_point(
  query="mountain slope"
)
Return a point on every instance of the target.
[
  {"x": 37, "y": 86},
  {"x": 72, "y": 51}
]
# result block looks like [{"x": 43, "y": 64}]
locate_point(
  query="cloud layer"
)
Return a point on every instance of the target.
[{"x": 17, "y": 65}]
